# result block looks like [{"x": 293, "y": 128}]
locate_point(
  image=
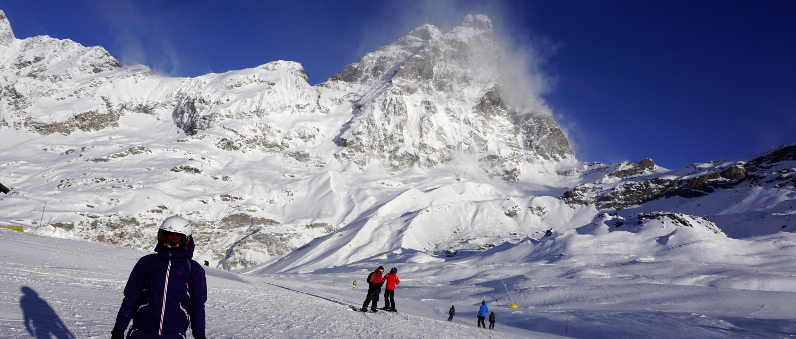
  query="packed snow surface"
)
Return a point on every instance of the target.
[{"x": 582, "y": 284}]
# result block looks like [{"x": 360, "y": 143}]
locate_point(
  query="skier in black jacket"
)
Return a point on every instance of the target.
[
  {"x": 451, "y": 312},
  {"x": 492, "y": 320},
  {"x": 375, "y": 281},
  {"x": 166, "y": 291}
]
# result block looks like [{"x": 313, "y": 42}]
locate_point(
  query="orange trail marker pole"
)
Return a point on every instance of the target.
[{"x": 513, "y": 304}]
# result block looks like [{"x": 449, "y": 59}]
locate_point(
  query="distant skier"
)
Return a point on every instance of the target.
[
  {"x": 355, "y": 285},
  {"x": 207, "y": 263},
  {"x": 166, "y": 291},
  {"x": 451, "y": 312},
  {"x": 389, "y": 290},
  {"x": 482, "y": 314},
  {"x": 374, "y": 289},
  {"x": 492, "y": 320}
]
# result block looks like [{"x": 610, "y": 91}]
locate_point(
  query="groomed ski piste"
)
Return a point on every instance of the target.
[{"x": 702, "y": 285}]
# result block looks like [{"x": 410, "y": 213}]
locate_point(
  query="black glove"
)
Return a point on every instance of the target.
[{"x": 117, "y": 333}]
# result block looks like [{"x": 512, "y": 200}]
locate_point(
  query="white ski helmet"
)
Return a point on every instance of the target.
[{"x": 176, "y": 224}]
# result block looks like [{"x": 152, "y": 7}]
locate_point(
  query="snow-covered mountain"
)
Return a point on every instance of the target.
[
  {"x": 420, "y": 100},
  {"x": 258, "y": 158},
  {"x": 428, "y": 148}
]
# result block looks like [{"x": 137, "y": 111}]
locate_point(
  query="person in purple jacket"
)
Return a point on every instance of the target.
[{"x": 166, "y": 291}]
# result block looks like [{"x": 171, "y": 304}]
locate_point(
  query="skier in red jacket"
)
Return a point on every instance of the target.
[
  {"x": 389, "y": 290},
  {"x": 375, "y": 281}
]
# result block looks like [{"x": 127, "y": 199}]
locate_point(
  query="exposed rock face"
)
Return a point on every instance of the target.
[
  {"x": 633, "y": 184},
  {"x": 771, "y": 159},
  {"x": 6, "y": 34},
  {"x": 633, "y": 169},
  {"x": 41, "y": 75},
  {"x": 276, "y": 88},
  {"x": 635, "y": 222}
]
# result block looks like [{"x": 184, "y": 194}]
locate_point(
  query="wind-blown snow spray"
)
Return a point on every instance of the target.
[{"x": 513, "y": 304}]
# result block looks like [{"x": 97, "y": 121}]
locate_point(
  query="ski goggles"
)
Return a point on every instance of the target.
[{"x": 170, "y": 238}]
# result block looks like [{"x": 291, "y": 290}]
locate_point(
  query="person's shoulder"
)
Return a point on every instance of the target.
[
  {"x": 144, "y": 262},
  {"x": 147, "y": 258},
  {"x": 195, "y": 265}
]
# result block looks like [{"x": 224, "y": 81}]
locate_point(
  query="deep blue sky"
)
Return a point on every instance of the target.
[{"x": 676, "y": 81}]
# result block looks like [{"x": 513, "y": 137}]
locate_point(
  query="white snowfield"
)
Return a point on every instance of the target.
[
  {"x": 667, "y": 277},
  {"x": 72, "y": 289}
]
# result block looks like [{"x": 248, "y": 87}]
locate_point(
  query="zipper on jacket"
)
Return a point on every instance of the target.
[{"x": 165, "y": 291}]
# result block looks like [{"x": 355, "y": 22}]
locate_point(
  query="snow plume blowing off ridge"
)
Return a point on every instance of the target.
[
  {"x": 130, "y": 30},
  {"x": 524, "y": 55}
]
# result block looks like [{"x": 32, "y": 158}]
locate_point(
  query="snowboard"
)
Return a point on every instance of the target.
[{"x": 357, "y": 309}]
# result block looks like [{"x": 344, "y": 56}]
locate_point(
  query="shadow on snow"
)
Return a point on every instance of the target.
[{"x": 40, "y": 319}]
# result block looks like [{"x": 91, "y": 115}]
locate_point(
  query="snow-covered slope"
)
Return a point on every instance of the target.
[
  {"x": 655, "y": 276},
  {"x": 73, "y": 289}
]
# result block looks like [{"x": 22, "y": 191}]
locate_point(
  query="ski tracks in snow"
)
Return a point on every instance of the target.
[
  {"x": 73, "y": 289},
  {"x": 302, "y": 310}
]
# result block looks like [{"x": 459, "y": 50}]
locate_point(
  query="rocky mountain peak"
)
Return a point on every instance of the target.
[
  {"x": 290, "y": 67},
  {"x": 478, "y": 21},
  {"x": 474, "y": 26},
  {"x": 443, "y": 94},
  {"x": 6, "y": 34},
  {"x": 425, "y": 32}
]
